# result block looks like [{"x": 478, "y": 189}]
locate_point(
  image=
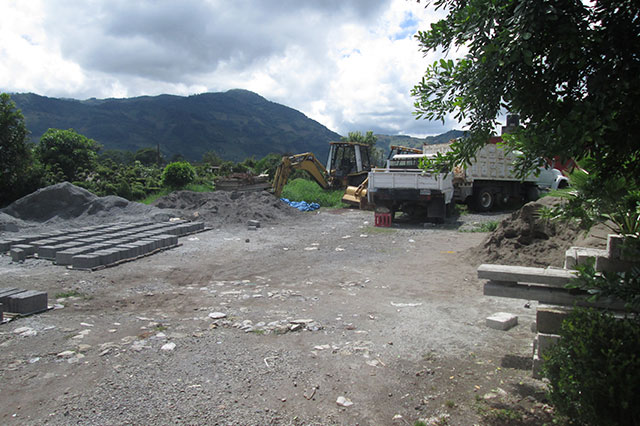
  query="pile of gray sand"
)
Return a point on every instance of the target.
[
  {"x": 527, "y": 240},
  {"x": 228, "y": 207},
  {"x": 64, "y": 202}
]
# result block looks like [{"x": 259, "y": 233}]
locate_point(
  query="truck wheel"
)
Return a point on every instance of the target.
[
  {"x": 533, "y": 193},
  {"x": 484, "y": 199}
]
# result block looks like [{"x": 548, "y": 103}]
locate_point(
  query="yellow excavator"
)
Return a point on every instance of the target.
[{"x": 348, "y": 164}]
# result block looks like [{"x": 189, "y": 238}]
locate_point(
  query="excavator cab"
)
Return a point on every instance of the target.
[{"x": 348, "y": 163}]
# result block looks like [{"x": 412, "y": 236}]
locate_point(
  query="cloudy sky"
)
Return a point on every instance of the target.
[{"x": 349, "y": 64}]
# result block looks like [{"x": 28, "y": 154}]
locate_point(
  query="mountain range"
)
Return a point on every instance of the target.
[{"x": 236, "y": 124}]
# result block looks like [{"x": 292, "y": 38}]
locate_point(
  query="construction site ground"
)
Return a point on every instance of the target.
[{"x": 273, "y": 327}]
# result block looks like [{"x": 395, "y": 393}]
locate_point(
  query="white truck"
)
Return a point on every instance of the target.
[{"x": 488, "y": 182}]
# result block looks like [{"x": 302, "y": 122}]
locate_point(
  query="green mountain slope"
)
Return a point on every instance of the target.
[{"x": 236, "y": 124}]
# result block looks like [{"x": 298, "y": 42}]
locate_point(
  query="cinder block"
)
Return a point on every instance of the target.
[
  {"x": 18, "y": 255},
  {"x": 27, "y": 248},
  {"x": 65, "y": 257},
  {"x": 4, "y": 295},
  {"x": 549, "y": 318},
  {"x": 27, "y": 302},
  {"x": 545, "y": 342},
  {"x": 502, "y": 321},
  {"x": 536, "y": 371},
  {"x": 86, "y": 261}
]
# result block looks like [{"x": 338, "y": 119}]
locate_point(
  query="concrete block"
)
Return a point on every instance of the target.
[
  {"x": 18, "y": 255},
  {"x": 502, "y": 321},
  {"x": 27, "y": 248},
  {"x": 1, "y": 313},
  {"x": 585, "y": 255},
  {"x": 570, "y": 258},
  {"x": 65, "y": 257},
  {"x": 536, "y": 371},
  {"x": 128, "y": 251},
  {"x": 614, "y": 246},
  {"x": 549, "y": 318},
  {"x": 6, "y": 243},
  {"x": 4, "y": 296},
  {"x": 27, "y": 302},
  {"x": 546, "y": 342},
  {"x": 525, "y": 274},
  {"x": 86, "y": 261}
]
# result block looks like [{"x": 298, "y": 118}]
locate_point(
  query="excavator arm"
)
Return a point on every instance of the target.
[{"x": 307, "y": 162}]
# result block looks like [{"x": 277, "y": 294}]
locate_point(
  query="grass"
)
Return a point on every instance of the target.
[
  {"x": 70, "y": 293},
  {"x": 311, "y": 192},
  {"x": 483, "y": 227},
  {"x": 166, "y": 191}
]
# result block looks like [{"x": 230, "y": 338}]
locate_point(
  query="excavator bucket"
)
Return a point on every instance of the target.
[{"x": 356, "y": 195}]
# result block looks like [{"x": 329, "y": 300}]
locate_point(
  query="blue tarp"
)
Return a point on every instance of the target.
[{"x": 303, "y": 206}]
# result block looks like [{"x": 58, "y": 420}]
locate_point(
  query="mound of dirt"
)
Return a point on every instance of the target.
[
  {"x": 65, "y": 202},
  {"x": 525, "y": 239},
  {"x": 223, "y": 207}
]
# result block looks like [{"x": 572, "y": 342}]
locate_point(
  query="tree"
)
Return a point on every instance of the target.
[
  {"x": 370, "y": 139},
  {"x": 149, "y": 156},
  {"x": 569, "y": 68},
  {"x": 15, "y": 154},
  {"x": 67, "y": 153},
  {"x": 178, "y": 175}
]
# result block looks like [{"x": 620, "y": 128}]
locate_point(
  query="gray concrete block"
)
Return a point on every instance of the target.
[
  {"x": 6, "y": 243},
  {"x": 18, "y": 255},
  {"x": 525, "y": 274},
  {"x": 536, "y": 371},
  {"x": 129, "y": 251},
  {"x": 65, "y": 257},
  {"x": 86, "y": 261},
  {"x": 5, "y": 293},
  {"x": 27, "y": 302},
  {"x": 27, "y": 248},
  {"x": 546, "y": 342},
  {"x": 549, "y": 318},
  {"x": 502, "y": 321}
]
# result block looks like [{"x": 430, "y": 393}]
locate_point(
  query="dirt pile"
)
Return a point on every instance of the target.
[
  {"x": 525, "y": 239},
  {"x": 223, "y": 207},
  {"x": 65, "y": 202}
]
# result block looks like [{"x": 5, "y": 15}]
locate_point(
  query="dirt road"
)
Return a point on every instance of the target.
[{"x": 271, "y": 327}]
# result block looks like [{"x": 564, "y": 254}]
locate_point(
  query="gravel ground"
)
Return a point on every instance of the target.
[{"x": 273, "y": 327}]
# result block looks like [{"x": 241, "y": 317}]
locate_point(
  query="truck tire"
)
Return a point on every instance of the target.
[
  {"x": 484, "y": 199},
  {"x": 533, "y": 193}
]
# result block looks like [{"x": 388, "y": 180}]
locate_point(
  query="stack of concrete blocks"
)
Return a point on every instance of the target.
[
  {"x": 548, "y": 325},
  {"x": 92, "y": 247},
  {"x": 23, "y": 302},
  {"x": 549, "y": 318}
]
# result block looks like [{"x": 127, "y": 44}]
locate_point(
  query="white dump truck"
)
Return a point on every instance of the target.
[{"x": 489, "y": 181}]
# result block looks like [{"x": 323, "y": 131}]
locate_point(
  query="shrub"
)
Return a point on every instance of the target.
[
  {"x": 594, "y": 370},
  {"x": 178, "y": 175}
]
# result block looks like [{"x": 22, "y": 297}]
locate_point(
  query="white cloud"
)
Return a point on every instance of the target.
[{"x": 349, "y": 65}]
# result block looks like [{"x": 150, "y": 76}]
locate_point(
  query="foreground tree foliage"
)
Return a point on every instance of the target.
[{"x": 569, "y": 68}]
